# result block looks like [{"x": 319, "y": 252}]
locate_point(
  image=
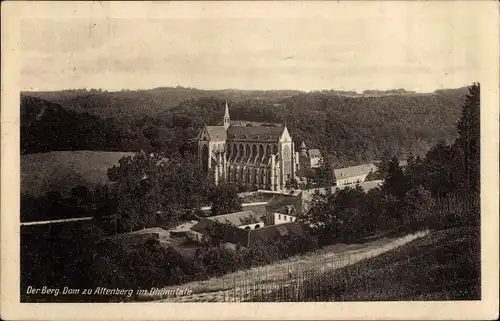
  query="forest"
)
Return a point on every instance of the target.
[{"x": 348, "y": 130}]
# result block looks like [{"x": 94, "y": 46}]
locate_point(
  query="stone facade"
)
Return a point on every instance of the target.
[{"x": 255, "y": 156}]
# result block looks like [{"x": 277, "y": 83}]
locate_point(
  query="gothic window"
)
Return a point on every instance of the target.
[
  {"x": 204, "y": 157},
  {"x": 249, "y": 175},
  {"x": 256, "y": 176},
  {"x": 286, "y": 160},
  {"x": 275, "y": 149},
  {"x": 229, "y": 150},
  {"x": 261, "y": 151},
  {"x": 254, "y": 151},
  {"x": 268, "y": 151},
  {"x": 242, "y": 175},
  {"x": 248, "y": 151},
  {"x": 242, "y": 151}
]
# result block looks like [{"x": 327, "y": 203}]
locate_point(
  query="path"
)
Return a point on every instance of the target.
[{"x": 245, "y": 285}]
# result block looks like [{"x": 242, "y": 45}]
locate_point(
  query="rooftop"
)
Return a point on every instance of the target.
[
  {"x": 275, "y": 232},
  {"x": 258, "y": 133},
  {"x": 290, "y": 204},
  {"x": 217, "y": 133},
  {"x": 237, "y": 218},
  {"x": 314, "y": 152},
  {"x": 352, "y": 171},
  {"x": 366, "y": 186}
]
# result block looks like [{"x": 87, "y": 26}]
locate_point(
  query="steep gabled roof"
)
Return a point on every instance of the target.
[
  {"x": 216, "y": 133},
  {"x": 258, "y": 133}
]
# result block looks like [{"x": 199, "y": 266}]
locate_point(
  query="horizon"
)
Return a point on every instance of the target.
[
  {"x": 348, "y": 46},
  {"x": 359, "y": 92}
]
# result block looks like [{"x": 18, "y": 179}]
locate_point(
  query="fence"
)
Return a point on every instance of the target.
[{"x": 302, "y": 279}]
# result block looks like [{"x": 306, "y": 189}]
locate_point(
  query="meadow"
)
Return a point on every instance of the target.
[{"x": 63, "y": 170}]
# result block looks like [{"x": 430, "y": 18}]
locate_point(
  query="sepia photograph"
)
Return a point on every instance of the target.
[{"x": 252, "y": 152}]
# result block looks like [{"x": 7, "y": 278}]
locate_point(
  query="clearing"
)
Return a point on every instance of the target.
[{"x": 63, "y": 170}]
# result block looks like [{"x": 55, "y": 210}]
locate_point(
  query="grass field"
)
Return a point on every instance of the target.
[
  {"x": 64, "y": 170},
  {"x": 444, "y": 265}
]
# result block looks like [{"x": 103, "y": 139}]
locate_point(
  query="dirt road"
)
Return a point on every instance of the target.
[{"x": 260, "y": 281}]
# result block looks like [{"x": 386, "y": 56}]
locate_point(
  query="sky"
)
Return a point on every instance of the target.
[{"x": 419, "y": 46}]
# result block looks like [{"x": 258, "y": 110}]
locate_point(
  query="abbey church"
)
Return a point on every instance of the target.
[{"x": 258, "y": 156}]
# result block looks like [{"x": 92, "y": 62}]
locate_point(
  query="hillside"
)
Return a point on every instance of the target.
[
  {"x": 348, "y": 129},
  {"x": 125, "y": 104},
  {"x": 46, "y": 126},
  {"x": 61, "y": 171},
  {"x": 445, "y": 265}
]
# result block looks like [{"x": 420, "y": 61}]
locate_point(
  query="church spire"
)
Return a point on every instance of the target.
[{"x": 226, "y": 117}]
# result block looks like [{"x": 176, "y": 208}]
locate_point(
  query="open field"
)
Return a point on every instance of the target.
[
  {"x": 61, "y": 171},
  {"x": 245, "y": 285}
]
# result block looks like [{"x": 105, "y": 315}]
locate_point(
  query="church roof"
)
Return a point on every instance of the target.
[
  {"x": 217, "y": 132},
  {"x": 259, "y": 133}
]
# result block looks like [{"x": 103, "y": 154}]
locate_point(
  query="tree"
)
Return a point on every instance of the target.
[
  {"x": 469, "y": 138},
  {"x": 395, "y": 183},
  {"x": 81, "y": 194},
  {"x": 417, "y": 207},
  {"x": 390, "y": 212},
  {"x": 151, "y": 189},
  {"x": 323, "y": 218},
  {"x": 324, "y": 174},
  {"x": 439, "y": 174},
  {"x": 214, "y": 235},
  {"x": 224, "y": 198}
]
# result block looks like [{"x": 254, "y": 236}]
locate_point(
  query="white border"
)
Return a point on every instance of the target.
[{"x": 10, "y": 307}]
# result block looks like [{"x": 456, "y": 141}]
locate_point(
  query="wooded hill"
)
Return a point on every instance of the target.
[
  {"x": 128, "y": 103},
  {"x": 349, "y": 129}
]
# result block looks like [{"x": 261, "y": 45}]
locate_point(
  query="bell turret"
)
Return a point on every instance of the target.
[{"x": 303, "y": 149}]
